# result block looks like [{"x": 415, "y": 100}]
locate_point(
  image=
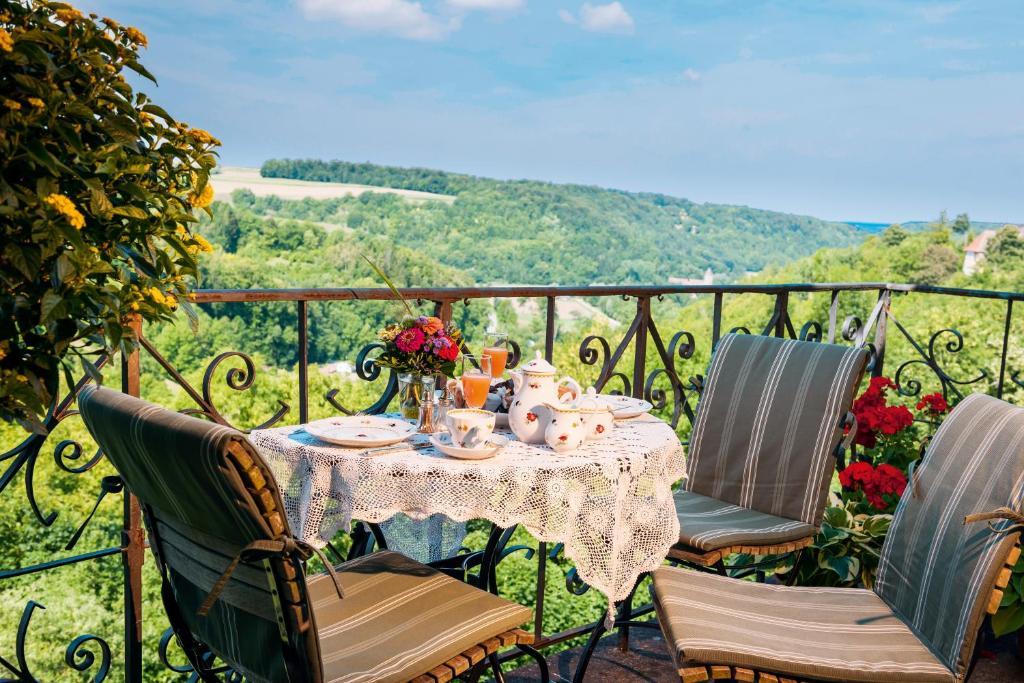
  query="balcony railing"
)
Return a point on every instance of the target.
[{"x": 643, "y": 362}]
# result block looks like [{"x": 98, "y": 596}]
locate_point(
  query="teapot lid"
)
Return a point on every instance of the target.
[
  {"x": 589, "y": 401},
  {"x": 539, "y": 366}
]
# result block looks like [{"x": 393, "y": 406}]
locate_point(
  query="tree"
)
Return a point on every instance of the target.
[
  {"x": 1005, "y": 250},
  {"x": 98, "y": 187},
  {"x": 962, "y": 225},
  {"x": 936, "y": 263}
]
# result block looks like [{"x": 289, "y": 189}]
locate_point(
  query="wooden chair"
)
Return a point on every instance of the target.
[
  {"x": 233, "y": 579},
  {"x": 939, "y": 574},
  {"x": 770, "y": 417},
  {"x": 760, "y": 460}
]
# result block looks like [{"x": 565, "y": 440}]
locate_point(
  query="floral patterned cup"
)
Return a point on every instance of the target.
[{"x": 475, "y": 424}]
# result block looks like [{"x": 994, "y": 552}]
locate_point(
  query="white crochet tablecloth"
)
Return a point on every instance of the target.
[{"x": 610, "y": 502}]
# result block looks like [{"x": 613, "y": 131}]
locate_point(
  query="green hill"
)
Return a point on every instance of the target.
[{"x": 526, "y": 231}]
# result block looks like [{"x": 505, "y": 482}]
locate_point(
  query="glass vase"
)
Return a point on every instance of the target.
[{"x": 416, "y": 392}]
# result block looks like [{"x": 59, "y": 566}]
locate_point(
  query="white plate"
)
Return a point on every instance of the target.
[
  {"x": 361, "y": 430},
  {"x": 443, "y": 443},
  {"x": 625, "y": 406}
]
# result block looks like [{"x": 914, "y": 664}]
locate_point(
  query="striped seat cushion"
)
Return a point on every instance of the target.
[
  {"x": 708, "y": 524},
  {"x": 935, "y": 571},
  {"x": 400, "y": 619},
  {"x": 827, "y": 634},
  {"x": 768, "y": 422}
]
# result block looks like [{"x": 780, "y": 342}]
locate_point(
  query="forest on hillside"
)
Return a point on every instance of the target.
[{"x": 507, "y": 230}]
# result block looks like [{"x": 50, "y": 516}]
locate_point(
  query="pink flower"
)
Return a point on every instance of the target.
[{"x": 409, "y": 340}]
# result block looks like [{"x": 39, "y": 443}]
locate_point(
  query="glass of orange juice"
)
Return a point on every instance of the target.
[
  {"x": 476, "y": 382},
  {"x": 497, "y": 351}
]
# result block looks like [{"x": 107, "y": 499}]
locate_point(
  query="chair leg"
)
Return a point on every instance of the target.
[
  {"x": 625, "y": 614},
  {"x": 536, "y": 656},
  {"x": 588, "y": 652},
  {"x": 794, "y": 574},
  {"x": 496, "y": 667}
]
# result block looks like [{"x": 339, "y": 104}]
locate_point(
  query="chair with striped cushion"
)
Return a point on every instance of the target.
[
  {"x": 233, "y": 578},
  {"x": 939, "y": 575},
  {"x": 760, "y": 459}
]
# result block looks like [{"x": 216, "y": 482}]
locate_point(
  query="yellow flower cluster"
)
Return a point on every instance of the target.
[
  {"x": 162, "y": 298},
  {"x": 110, "y": 23},
  {"x": 13, "y": 105},
  {"x": 204, "y": 198},
  {"x": 69, "y": 15},
  {"x": 136, "y": 36},
  {"x": 6, "y": 42},
  {"x": 66, "y": 208},
  {"x": 201, "y": 243},
  {"x": 37, "y": 103},
  {"x": 4, "y": 346},
  {"x": 198, "y": 242}
]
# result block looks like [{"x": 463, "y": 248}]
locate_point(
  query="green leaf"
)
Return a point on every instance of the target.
[
  {"x": 130, "y": 211},
  {"x": 50, "y": 305},
  {"x": 1008, "y": 620}
]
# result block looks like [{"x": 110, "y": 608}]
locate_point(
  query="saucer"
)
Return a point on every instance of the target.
[
  {"x": 360, "y": 430},
  {"x": 443, "y": 443}
]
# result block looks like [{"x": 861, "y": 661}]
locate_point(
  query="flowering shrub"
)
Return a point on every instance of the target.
[
  {"x": 98, "y": 186},
  {"x": 421, "y": 346},
  {"x": 845, "y": 552}
]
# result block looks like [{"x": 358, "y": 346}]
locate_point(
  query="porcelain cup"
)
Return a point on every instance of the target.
[{"x": 470, "y": 427}]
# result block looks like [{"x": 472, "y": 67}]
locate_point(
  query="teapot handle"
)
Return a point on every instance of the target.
[{"x": 574, "y": 387}]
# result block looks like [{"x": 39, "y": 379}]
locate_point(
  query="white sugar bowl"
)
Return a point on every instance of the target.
[{"x": 598, "y": 418}]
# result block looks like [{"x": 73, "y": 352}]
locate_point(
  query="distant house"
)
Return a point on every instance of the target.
[
  {"x": 974, "y": 253},
  {"x": 708, "y": 279}
]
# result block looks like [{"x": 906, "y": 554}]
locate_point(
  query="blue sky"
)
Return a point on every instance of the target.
[{"x": 859, "y": 109}]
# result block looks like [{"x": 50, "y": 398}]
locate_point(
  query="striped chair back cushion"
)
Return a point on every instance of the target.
[
  {"x": 936, "y": 572},
  {"x": 199, "y": 486},
  {"x": 768, "y": 422}
]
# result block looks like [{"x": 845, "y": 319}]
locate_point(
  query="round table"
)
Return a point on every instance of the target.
[{"x": 609, "y": 502}]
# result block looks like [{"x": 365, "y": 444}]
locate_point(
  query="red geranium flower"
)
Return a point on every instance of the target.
[
  {"x": 876, "y": 483},
  {"x": 875, "y": 416},
  {"x": 933, "y": 403}
]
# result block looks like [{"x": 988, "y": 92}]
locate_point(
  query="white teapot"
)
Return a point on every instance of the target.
[{"x": 534, "y": 385}]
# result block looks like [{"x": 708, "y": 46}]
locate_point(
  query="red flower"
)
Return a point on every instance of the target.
[
  {"x": 933, "y": 403},
  {"x": 531, "y": 417},
  {"x": 875, "y": 416},
  {"x": 409, "y": 340},
  {"x": 599, "y": 429},
  {"x": 876, "y": 483},
  {"x": 449, "y": 350}
]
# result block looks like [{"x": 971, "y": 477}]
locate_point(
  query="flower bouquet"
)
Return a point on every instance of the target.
[{"x": 419, "y": 349}]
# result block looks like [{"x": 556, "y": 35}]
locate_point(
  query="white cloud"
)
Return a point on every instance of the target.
[
  {"x": 610, "y": 18},
  {"x": 691, "y": 75},
  {"x": 399, "y": 17},
  {"x": 486, "y": 4},
  {"x": 936, "y": 14}
]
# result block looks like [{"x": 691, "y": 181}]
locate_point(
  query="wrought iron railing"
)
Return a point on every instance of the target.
[{"x": 653, "y": 372}]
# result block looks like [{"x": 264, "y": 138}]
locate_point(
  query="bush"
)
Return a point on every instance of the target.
[{"x": 98, "y": 187}]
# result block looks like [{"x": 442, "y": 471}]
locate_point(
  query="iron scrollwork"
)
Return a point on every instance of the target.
[
  {"x": 909, "y": 386},
  {"x": 682, "y": 346},
  {"x": 590, "y": 356},
  {"x": 77, "y": 655},
  {"x": 237, "y": 379}
]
